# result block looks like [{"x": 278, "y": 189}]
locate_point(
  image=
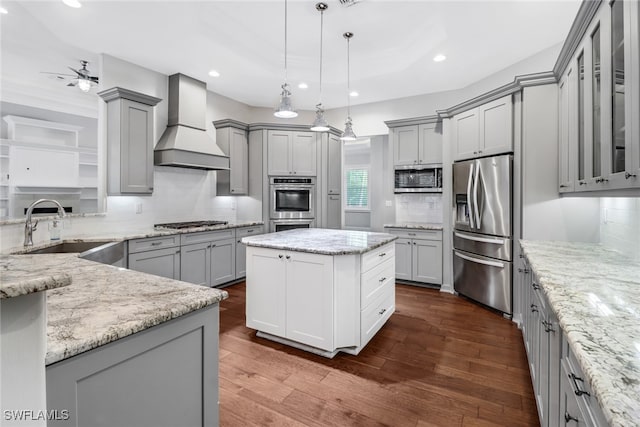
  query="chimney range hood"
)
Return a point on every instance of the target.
[{"x": 185, "y": 142}]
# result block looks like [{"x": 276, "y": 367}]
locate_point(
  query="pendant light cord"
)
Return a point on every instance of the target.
[
  {"x": 285, "y": 43},
  {"x": 321, "y": 25},
  {"x": 348, "y": 78}
]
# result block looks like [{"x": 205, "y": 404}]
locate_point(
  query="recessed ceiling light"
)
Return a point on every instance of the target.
[
  {"x": 3, "y": 10},
  {"x": 353, "y": 93},
  {"x": 303, "y": 86},
  {"x": 439, "y": 57},
  {"x": 214, "y": 73},
  {"x": 72, "y": 3}
]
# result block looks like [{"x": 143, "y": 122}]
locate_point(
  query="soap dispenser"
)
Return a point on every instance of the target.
[{"x": 54, "y": 229}]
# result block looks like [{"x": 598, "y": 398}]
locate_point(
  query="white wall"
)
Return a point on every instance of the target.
[{"x": 620, "y": 225}]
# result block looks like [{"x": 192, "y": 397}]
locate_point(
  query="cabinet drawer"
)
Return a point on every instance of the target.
[
  {"x": 410, "y": 233},
  {"x": 377, "y": 256},
  {"x": 206, "y": 236},
  {"x": 377, "y": 313},
  {"x": 161, "y": 242},
  {"x": 375, "y": 280},
  {"x": 248, "y": 231}
]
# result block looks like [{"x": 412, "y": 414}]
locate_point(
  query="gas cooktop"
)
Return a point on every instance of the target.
[{"x": 190, "y": 224}]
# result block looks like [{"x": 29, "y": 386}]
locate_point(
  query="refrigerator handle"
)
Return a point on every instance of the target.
[
  {"x": 469, "y": 208},
  {"x": 479, "y": 261},
  {"x": 479, "y": 239},
  {"x": 475, "y": 195}
]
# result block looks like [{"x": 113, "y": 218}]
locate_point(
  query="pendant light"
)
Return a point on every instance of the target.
[
  {"x": 285, "y": 110},
  {"x": 348, "y": 134},
  {"x": 320, "y": 123}
]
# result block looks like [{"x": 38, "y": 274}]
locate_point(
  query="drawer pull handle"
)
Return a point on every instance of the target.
[
  {"x": 523, "y": 270},
  {"x": 534, "y": 308},
  {"x": 250, "y": 231},
  {"x": 535, "y": 286},
  {"x": 156, "y": 243},
  {"x": 409, "y": 242},
  {"x": 382, "y": 254},
  {"x": 575, "y": 379},
  {"x": 548, "y": 326},
  {"x": 280, "y": 256},
  {"x": 381, "y": 312},
  {"x": 412, "y": 234},
  {"x": 288, "y": 257},
  {"x": 563, "y": 186},
  {"x": 382, "y": 279},
  {"x": 213, "y": 245},
  {"x": 628, "y": 175},
  {"x": 568, "y": 417}
]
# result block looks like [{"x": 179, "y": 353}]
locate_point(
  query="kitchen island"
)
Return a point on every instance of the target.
[
  {"x": 320, "y": 290},
  {"x": 124, "y": 347}
]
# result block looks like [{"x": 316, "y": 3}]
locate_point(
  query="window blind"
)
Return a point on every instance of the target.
[{"x": 357, "y": 188}]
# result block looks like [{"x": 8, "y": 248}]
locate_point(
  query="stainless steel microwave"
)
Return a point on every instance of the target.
[{"x": 420, "y": 179}]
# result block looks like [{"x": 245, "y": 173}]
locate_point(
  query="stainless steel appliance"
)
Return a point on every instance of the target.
[
  {"x": 482, "y": 237},
  {"x": 289, "y": 224},
  {"x": 292, "y": 198},
  {"x": 421, "y": 179}
]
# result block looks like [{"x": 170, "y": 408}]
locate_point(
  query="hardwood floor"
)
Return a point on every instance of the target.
[{"x": 439, "y": 361}]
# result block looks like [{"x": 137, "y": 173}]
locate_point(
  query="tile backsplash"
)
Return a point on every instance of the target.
[
  {"x": 620, "y": 225},
  {"x": 422, "y": 207}
]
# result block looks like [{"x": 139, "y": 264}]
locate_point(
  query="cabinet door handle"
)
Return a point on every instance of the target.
[
  {"x": 288, "y": 257},
  {"x": 523, "y": 270},
  {"x": 563, "y": 186},
  {"x": 409, "y": 242},
  {"x": 156, "y": 243},
  {"x": 584, "y": 183},
  {"x": 280, "y": 256},
  {"x": 178, "y": 251},
  {"x": 578, "y": 390},
  {"x": 534, "y": 308},
  {"x": 628, "y": 175},
  {"x": 411, "y": 234},
  {"x": 213, "y": 245},
  {"x": 535, "y": 286},
  {"x": 250, "y": 231},
  {"x": 381, "y": 312},
  {"x": 548, "y": 326},
  {"x": 414, "y": 243},
  {"x": 382, "y": 279},
  {"x": 382, "y": 254},
  {"x": 238, "y": 241},
  {"x": 568, "y": 417}
]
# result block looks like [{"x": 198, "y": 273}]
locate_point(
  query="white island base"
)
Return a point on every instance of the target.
[{"x": 318, "y": 302}]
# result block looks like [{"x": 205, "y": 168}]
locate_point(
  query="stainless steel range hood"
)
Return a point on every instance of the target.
[{"x": 185, "y": 142}]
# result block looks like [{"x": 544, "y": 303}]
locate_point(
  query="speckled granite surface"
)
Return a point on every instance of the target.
[
  {"x": 20, "y": 276},
  {"x": 415, "y": 226},
  {"x": 106, "y": 303},
  {"x": 595, "y": 293},
  {"x": 321, "y": 241}
]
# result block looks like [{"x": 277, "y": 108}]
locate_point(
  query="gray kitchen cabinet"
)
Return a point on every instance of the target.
[
  {"x": 156, "y": 255},
  {"x": 291, "y": 153},
  {"x": 130, "y": 142},
  {"x": 483, "y": 131},
  {"x": 334, "y": 165},
  {"x": 417, "y": 144},
  {"x": 208, "y": 257},
  {"x": 418, "y": 255},
  {"x": 334, "y": 211},
  {"x": 241, "y": 249},
  {"x": 166, "y": 375},
  {"x": 567, "y": 134},
  {"x": 231, "y": 137}
]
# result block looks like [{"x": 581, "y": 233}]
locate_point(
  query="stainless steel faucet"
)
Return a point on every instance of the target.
[{"x": 29, "y": 227}]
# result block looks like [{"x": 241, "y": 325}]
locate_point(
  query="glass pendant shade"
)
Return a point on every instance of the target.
[
  {"x": 285, "y": 110},
  {"x": 348, "y": 134},
  {"x": 320, "y": 124},
  {"x": 84, "y": 85}
]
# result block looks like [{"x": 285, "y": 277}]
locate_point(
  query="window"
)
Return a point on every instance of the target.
[{"x": 357, "y": 187}]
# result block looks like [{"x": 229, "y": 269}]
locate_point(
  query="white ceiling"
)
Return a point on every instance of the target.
[{"x": 391, "y": 52}]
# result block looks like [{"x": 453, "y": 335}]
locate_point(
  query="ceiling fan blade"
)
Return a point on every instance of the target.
[
  {"x": 57, "y": 74},
  {"x": 76, "y": 71},
  {"x": 93, "y": 79},
  {"x": 72, "y": 84}
]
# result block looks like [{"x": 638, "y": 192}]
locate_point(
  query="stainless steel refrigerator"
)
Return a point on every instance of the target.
[{"x": 482, "y": 236}]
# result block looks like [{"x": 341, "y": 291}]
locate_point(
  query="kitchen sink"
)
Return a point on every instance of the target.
[{"x": 67, "y": 247}]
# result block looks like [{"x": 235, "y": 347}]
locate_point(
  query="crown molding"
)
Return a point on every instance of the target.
[
  {"x": 118, "y": 92},
  {"x": 226, "y": 123},
  {"x": 412, "y": 121}
]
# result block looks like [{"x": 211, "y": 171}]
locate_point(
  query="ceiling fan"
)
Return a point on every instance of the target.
[{"x": 82, "y": 77}]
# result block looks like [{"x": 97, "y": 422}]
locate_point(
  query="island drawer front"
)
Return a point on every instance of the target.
[
  {"x": 377, "y": 313},
  {"x": 377, "y": 256},
  {"x": 375, "y": 280},
  {"x": 206, "y": 236},
  {"x": 248, "y": 231},
  {"x": 152, "y": 243},
  {"x": 410, "y": 233}
]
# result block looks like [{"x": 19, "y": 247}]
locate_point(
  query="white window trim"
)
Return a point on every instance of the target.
[{"x": 348, "y": 208}]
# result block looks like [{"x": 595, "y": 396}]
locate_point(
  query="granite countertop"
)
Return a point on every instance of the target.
[
  {"x": 22, "y": 277},
  {"x": 106, "y": 303},
  {"x": 595, "y": 293},
  {"x": 415, "y": 225},
  {"x": 136, "y": 234},
  {"x": 321, "y": 241}
]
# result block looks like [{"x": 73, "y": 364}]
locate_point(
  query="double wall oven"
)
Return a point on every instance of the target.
[{"x": 291, "y": 203}]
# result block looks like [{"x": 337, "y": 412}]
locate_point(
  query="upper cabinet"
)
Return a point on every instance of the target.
[
  {"x": 417, "y": 144},
  {"x": 483, "y": 131},
  {"x": 231, "y": 137},
  {"x": 291, "y": 153},
  {"x": 130, "y": 142},
  {"x": 599, "y": 141}
]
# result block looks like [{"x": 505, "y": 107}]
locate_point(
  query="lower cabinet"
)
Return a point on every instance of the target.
[
  {"x": 241, "y": 248},
  {"x": 156, "y": 255},
  {"x": 562, "y": 394},
  {"x": 208, "y": 257},
  {"x": 326, "y": 302},
  {"x": 418, "y": 255},
  {"x": 164, "y": 376}
]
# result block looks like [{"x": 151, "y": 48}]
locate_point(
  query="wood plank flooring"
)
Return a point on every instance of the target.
[{"x": 439, "y": 361}]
